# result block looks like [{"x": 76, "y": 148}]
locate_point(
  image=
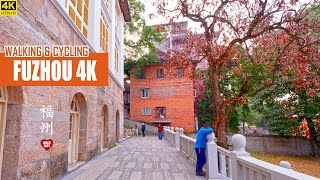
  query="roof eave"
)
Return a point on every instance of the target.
[{"x": 125, "y": 9}]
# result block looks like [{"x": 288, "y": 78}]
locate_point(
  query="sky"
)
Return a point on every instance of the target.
[{"x": 150, "y": 9}]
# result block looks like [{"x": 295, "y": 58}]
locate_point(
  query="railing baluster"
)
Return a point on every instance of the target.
[
  {"x": 229, "y": 167},
  {"x": 245, "y": 173},
  {"x": 259, "y": 176},
  {"x": 222, "y": 165},
  {"x": 251, "y": 175},
  {"x": 188, "y": 149}
]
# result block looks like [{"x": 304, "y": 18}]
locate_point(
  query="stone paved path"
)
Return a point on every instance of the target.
[{"x": 138, "y": 158}]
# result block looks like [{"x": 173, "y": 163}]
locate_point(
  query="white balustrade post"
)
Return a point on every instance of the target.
[
  {"x": 182, "y": 143},
  {"x": 172, "y": 135},
  {"x": 212, "y": 157},
  {"x": 285, "y": 164},
  {"x": 177, "y": 138},
  {"x": 239, "y": 144}
]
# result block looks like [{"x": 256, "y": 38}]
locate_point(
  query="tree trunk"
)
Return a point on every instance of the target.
[
  {"x": 220, "y": 130},
  {"x": 219, "y": 121},
  {"x": 228, "y": 116},
  {"x": 227, "y": 125},
  {"x": 312, "y": 132}
]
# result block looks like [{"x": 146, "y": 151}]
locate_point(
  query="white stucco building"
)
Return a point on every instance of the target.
[{"x": 86, "y": 119}]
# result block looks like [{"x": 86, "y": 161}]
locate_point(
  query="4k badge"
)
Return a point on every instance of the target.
[{"x": 8, "y": 8}]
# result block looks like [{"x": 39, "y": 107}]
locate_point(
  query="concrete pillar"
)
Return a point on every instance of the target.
[
  {"x": 177, "y": 138},
  {"x": 239, "y": 144},
  {"x": 181, "y": 131},
  {"x": 212, "y": 157}
]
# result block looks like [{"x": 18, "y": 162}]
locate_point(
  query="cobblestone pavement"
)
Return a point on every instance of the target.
[{"x": 145, "y": 158}]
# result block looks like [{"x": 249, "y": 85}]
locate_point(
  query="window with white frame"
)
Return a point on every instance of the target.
[
  {"x": 106, "y": 2},
  {"x": 145, "y": 93},
  {"x": 117, "y": 20},
  {"x": 78, "y": 11},
  {"x": 116, "y": 59},
  {"x": 146, "y": 111},
  {"x": 160, "y": 73},
  {"x": 104, "y": 33}
]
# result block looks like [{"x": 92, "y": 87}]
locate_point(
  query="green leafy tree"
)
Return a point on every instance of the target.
[
  {"x": 204, "y": 107},
  {"x": 234, "y": 122},
  {"x": 139, "y": 37},
  {"x": 203, "y": 112},
  {"x": 135, "y": 66},
  {"x": 284, "y": 108},
  {"x": 241, "y": 113}
]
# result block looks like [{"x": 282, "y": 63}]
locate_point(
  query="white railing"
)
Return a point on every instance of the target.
[
  {"x": 169, "y": 135},
  {"x": 232, "y": 165},
  {"x": 187, "y": 147}
]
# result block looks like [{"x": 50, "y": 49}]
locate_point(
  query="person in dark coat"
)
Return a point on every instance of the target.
[
  {"x": 160, "y": 131},
  {"x": 200, "y": 147},
  {"x": 143, "y": 128}
]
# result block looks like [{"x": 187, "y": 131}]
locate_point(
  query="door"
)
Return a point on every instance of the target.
[{"x": 73, "y": 144}]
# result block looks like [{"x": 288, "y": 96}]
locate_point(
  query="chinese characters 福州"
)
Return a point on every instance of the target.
[{"x": 47, "y": 112}]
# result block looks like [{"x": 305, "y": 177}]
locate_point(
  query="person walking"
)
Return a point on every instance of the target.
[
  {"x": 160, "y": 131},
  {"x": 200, "y": 148},
  {"x": 143, "y": 128}
]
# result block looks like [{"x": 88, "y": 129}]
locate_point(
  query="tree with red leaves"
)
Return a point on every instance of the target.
[{"x": 261, "y": 43}]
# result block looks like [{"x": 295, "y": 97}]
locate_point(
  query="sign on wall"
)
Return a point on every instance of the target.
[{"x": 52, "y": 66}]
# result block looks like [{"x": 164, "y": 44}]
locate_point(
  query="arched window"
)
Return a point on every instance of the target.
[
  {"x": 74, "y": 131},
  {"x": 117, "y": 126},
  {"x": 104, "y": 128},
  {"x": 3, "y": 112}
]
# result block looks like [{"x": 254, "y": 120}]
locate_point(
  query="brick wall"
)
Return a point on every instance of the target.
[
  {"x": 40, "y": 23},
  {"x": 175, "y": 94}
]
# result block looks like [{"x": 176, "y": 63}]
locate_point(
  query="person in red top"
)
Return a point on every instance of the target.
[{"x": 160, "y": 131}]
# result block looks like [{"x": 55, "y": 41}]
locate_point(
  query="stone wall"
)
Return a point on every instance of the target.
[
  {"x": 23, "y": 155},
  {"x": 297, "y": 146},
  {"x": 40, "y": 23},
  {"x": 149, "y": 128}
]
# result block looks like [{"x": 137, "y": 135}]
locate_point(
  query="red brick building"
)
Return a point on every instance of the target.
[
  {"x": 156, "y": 97},
  {"x": 160, "y": 97}
]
